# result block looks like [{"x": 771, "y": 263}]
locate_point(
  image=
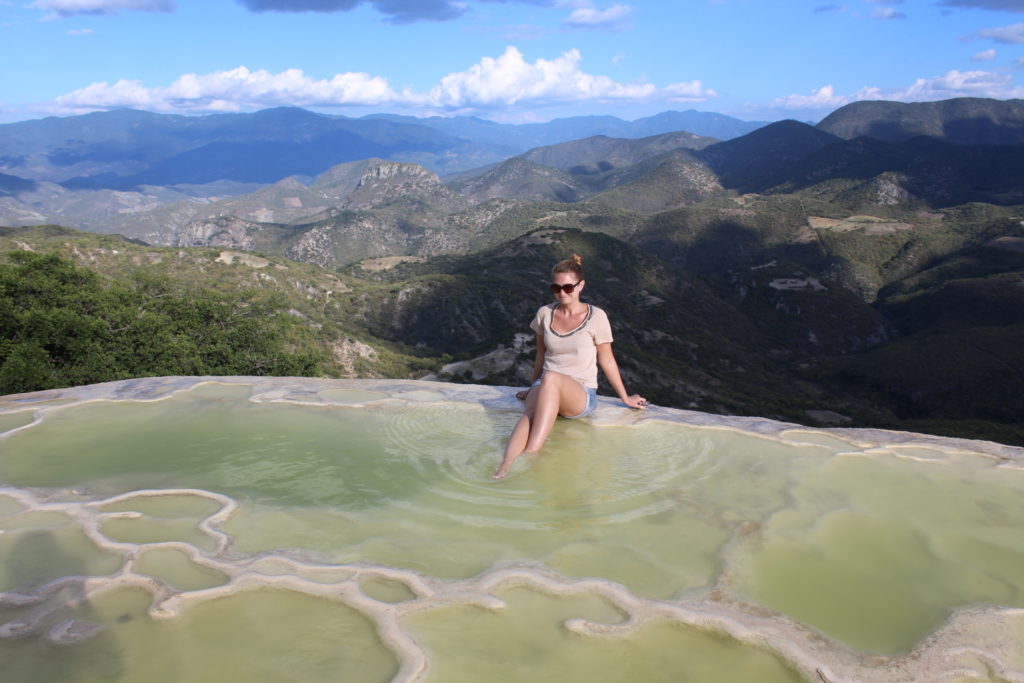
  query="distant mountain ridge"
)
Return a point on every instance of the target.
[
  {"x": 125, "y": 149},
  {"x": 600, "y": 153},
  {"x": 962, "y": 120},
  {"x": 529, "y": 135},
  {"x": 739, "y": 162},
  {"x": 572, "y": 171},
  {"x": 10, "y": 184},
  {"x": 642, "y": 176}
]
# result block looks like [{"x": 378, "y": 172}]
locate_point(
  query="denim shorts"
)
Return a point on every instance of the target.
[{"x": 591, "y": 402}]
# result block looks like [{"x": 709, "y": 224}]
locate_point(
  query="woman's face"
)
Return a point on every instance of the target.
[{"x": 561, "y": 296}]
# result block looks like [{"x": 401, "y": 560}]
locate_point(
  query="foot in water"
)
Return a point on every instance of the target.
[
  {"x": 502, "y": 470},
  {"x": 506, "y": 465}
]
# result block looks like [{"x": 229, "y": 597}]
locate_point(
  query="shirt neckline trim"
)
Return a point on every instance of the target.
[{"x": 551, "y": 321}]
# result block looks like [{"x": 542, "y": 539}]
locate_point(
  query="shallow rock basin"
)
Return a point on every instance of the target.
[{"x": 175, "y": 529}]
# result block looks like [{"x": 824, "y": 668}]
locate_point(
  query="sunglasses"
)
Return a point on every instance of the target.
[{"x": 568, "y": 289}]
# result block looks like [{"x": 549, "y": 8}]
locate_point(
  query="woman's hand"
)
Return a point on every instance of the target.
[
  {"x": 521, "y": 395},
  {"x": 636, "y": 401}
]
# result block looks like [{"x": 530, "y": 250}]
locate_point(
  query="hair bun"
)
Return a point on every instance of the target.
[{"x": 573, "y": 264}]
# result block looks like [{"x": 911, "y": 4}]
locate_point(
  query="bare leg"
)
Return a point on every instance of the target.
[
  {"x": 556, "y": 393},
  {"x": 517, "y": 441}
]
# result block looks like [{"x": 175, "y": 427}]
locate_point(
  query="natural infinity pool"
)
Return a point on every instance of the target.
[{"x": 311, "y": 530}]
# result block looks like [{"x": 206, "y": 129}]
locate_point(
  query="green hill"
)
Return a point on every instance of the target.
[
  {"x": 109, "y": 308},
  {"x": 963, "y": 120}
]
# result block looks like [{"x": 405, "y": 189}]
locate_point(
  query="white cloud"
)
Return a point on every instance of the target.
[
  {"x": 510, "y": 79},
  {"x": 962, "y": 84},
  {"x": 616, "y": 17},
  {"x": 984, "y": 56},
  {"x": 1009, "y": 35},
  {"x": 493, "y": 83},
  {"x": 694, "y": 91},
  {"x": 65, "y": 8},
  {"x": 234, "y": 90},
  {"x": 887, "y": 13},
  {"x": 105, "y": 96},
  {"x": 80, "y": 32},
  {"x": 822, "y": 98},
  {"x": 952, "y": 84}
]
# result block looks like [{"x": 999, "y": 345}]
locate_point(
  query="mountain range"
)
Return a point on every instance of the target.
[
  {"x": 810, "y": 273},
  {"x": 126, "y": 149},
  {"x": 374, "y": 207}
]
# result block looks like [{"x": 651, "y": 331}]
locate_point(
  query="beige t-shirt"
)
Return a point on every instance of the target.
[{"x": 575, "y": 353}]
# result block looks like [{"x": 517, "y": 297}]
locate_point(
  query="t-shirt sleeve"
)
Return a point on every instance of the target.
[
  {"x": 538, "y": 321},
  {"x": 602, "y": 330}
]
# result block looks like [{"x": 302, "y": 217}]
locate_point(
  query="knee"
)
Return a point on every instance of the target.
[
  {"x": 550, "y": 382},
  {"x": 552, "y": 379}
]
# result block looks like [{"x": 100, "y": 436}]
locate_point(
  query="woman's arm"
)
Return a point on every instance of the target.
[
  {"x": 538, "y": 367},
  {"x": 606, "y": 359},
  {"x": 538, "y": 361}
]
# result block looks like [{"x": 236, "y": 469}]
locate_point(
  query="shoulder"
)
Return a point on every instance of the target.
[
  {"x": 540, "y": 318},
  {"x": 600, "y": 327},
  {"x": 545, "y": 311}
]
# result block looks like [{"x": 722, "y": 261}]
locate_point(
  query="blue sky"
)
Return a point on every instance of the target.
[{"x": 505, "y": 60}]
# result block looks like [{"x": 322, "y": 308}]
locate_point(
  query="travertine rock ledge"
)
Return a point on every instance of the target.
[
  {"x": 610, "y": 411},
  {"x": 975, "y": 642}
]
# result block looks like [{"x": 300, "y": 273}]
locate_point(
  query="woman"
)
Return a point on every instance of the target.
[{"x": 573, "y": 338}]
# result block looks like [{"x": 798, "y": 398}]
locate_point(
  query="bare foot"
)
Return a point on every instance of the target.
[
  {"x": 502, "y": 470},
  {"x": 506, "y": 464}
]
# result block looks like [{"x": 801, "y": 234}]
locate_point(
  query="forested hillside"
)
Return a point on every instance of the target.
[
  {"x": 938, "y": 353},
  {"x": 63, "y": 325}
]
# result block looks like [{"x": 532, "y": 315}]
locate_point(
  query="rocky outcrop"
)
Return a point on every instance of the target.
[
  {"x": 384, "y": 183},
  {"x": 221, "y": 231},
  {"x": 349, "y": 237}
]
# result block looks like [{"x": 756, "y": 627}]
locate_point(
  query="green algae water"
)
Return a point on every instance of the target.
[
  {"x": 250, "y": 636},
  {"x": 526, "y": 641},
  {"x": 165, "y": 530}
]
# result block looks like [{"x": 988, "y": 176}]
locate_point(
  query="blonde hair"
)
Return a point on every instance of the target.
[{"x": 573, "y": 264}]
